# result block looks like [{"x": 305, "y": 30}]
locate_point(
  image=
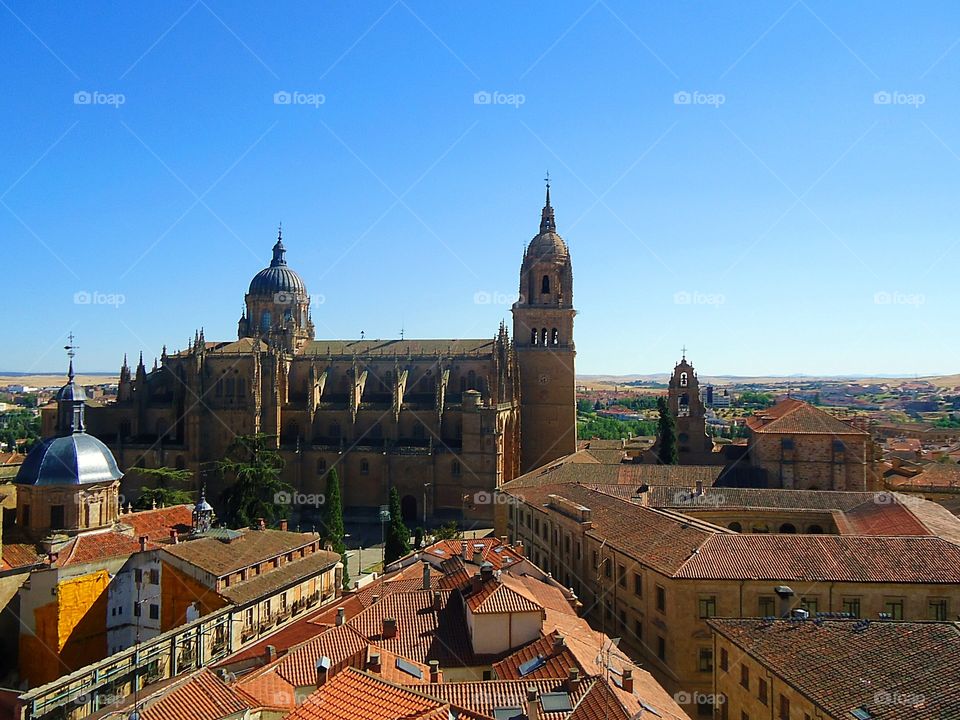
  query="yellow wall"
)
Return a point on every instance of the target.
[{"x": 178, "y": 592}]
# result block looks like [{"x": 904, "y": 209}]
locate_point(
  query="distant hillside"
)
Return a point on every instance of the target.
[{"x": 606, "y": 381}]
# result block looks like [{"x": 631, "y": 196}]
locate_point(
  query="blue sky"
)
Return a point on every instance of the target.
[{"x": 773, "y": 184}]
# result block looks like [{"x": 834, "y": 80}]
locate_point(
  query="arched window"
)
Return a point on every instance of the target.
[
  {"x": 545, "y": 285},
  {"x": 364, "y": 467},
  {"x": 543, "y": 337},
  {"x": 735, "y": 526},
  {"x": 533, "y": 336},
  {"x": 554, "y": 337},
  {"x": 787, "y": 528},
  {"x": 815, "y": 530},
  {"x": 683, "y": 379},
  {"x": 472, "y": 380},
  {"x": 455, "y": 468},
  {"x": 265, "y": 319},
  {"x": 321, "y": 466},
  {"x": 288, "y": 315}
]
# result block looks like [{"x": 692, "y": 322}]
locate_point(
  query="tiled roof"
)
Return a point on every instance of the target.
[
  {"x": 274, "y": 580},
  {"x": 840, "y": 558},
  {"x": 894, "y": 670},
  {"x": 220, "y": 558},
  {"x": 492, "y": 550},
  {"x": 16, "y": 555},
  {"x": 874, "y": 518},
  {"x": 652, "y": 475},
  {"x": 340, "y": 644},
  {"x": 484, "y": 696},
  {"x": 934, "y": 475},
  {"x": 557, "y": 660},
  {"x": 388, "y": 348},
  {"x": 156, "y": 524},
  {"x": 496, "y": 598},
  {"x": 355, "y": 695},
  {"x": 202, "y": 697},
  {"x": 795, "y": 417},
  {"x": 91, "y": 547},
  {"x": 767, "y": 498}
]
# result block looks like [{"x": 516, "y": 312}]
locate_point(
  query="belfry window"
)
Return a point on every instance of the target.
[
  {"x": 683, "y": 379},
  {"x": 545, "y": 285},
  {"x": 533, "y": 336},
  {"x": 555, "y": 337},
  {"x": 265, "y": 320},
  {"x": 543, "y": 337}
]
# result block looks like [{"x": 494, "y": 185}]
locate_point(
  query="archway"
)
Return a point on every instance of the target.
[
  {"x": 787, "y": 528},
  {"x": 408, "y": 509}
]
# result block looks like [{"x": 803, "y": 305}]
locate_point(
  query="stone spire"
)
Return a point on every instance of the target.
[
  {"x": 279, "y": 252},
  {"x": 548, "y": 222}
]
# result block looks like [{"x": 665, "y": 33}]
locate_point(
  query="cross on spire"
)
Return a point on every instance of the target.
[
  {"x": 547, "y": 221},
  {"x": 684, "y": 351},
  {"x": 71, "y": 349}
]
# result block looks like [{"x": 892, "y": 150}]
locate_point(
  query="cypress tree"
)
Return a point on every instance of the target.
[
  {"x": 397, "y": 543},
  {"x": 333, "y": 530},
  {"x": 667, "y": 431}
]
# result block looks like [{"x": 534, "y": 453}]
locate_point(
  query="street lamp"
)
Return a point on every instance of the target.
[{"x": 425, "y": 486}]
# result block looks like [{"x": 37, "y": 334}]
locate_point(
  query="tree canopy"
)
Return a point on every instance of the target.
[{"x": 251, "y": 472}]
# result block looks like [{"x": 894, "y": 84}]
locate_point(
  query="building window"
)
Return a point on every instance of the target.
[
  {"x": 621, "y": 576},
  {"x": 545, "y": 285},
  {"x": 706, "y": 660},
  {"x": 154, "y": 611},
  {"x": 784, "y": 707},
  {"x": 638, "y": 628},
  {"x": 638, "y": 584},
  {"x": 938, "y": 608},
  {"x": 364, "y": 467},
  {"x": 455, "y": 468},
  {"x": 708, "y": 606},
  {"x": 724, "y": 659},
  {"x": 788, "y": 528},
  {"x": 762, "y": 690},
  {"x": 554, "y": 337},
  {"x": 894, "y": 608},
  {"x": 766, "y": 606},
  {"x": 744, "y": 677},
  {"x": 661, "y": 599},
  {"x": 249, "y": 618},
  {"x": 661, "y": 648},
  {"x": 57, "y": 517},
  {"x": 265, "y": 320},
  {"x": 136, "y": 609},
  {"x": 809, "y": 604},
  {"x": 786, "y": 443},
  {"x": 138, "y": 576},
  {"x": 154, "y": 577},
  {"x": 533, "y": 336},
  {"x": 607, "y": 568},
  {"x": 735, "y": 526},
  {"x": 851, "y": 606},
  {"x": 543, "y": 336},
  {"x": 321, "y": 466}
]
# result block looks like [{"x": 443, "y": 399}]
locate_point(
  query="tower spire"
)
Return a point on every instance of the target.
[
  {"x": 71, "y": 349},
  {"x": 548, "y": 222},
  {"x": 279, "y": 251}
]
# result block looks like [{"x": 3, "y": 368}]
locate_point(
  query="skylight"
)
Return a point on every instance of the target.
[
  {"x": 556, "y": 702},
  {"x": 530, "y": 665}
]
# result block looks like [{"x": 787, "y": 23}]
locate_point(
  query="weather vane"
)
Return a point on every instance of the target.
[
  {"x": 70, "y": 347},
  {"x": 547, "y": 179}
]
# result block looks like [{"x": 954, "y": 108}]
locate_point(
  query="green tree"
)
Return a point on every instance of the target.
[
  {"x": 584, "y": 405},
  {"x": 397, "y": 542},
  {"x": 251, "y": 472},
  {"x": 447, "y": 531},
  {"x": 667, "y": 434},
  {"x": 170, "y": 487},
  {"x": 333, "y": 531}
]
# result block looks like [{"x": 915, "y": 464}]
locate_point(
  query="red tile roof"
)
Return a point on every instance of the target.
[
  {"x": 876, "y": 518},
  {"x": 794, "y": 417},
  {"x": 221, "y": 558},
  {"x": 156, "y": 524},
  {"x": 91, "y": 547},
  {"x": 17, "y": 555},
  {"x": 495, "y": 598},
  {"x": 203, "y": 696}
]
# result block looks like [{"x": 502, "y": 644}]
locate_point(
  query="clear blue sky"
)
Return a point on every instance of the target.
[{"x": 785, "y": 220}]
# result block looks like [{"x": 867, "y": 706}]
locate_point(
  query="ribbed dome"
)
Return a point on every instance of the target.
[
  {"x": 547, "y": 244},
  {"x": 77, "y": 459},
  {"x": 277, "y": 278}
]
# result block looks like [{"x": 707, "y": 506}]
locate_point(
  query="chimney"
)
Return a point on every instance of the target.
[
  {"x": 437, "y": 601},
  {"x": 628, "y": 680},
  {"x": 426, "y": 576},
  {"x": 503, "y": 540},
  {"x": 373, "y": 663},
  {"x": 261, "y": 524},
  {"x": 373, "y": 599},
  {"x": 559, "y": 643},
  {"x": 464, "y": 550},
  {"x": 785, "y": 594},
  {"x": 699, "y": 488},
  {"x": 518, "y": 547},
  {"x": 486, "y": 572},
  {"x": 476, "y": 582},
  {"x": 143, "y": 543},
  {"x": 269, "y": 653},
  {"x": 434, "y": 671},
  {"x": 573, "y": 680},
  {"x": 533, "y": 705},
  {"x": 478, "y": 553},
  {"x": 341, "y": 616},
  {"x": 283, "y": 524},
  {"x": 52, "y": 557},
  {"x": 389, "y": 628},
  {"x": 174, "y": 537},
  {"x": 323, "y": 668}
]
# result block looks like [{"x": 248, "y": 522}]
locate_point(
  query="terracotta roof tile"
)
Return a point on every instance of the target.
[
  {"x": 202, "y": 697},
  {"x": 797, "y": 417},
  {"x": 220, "y": 558},
  {"x": 495, "y": 598},
  {"x": 156, "y": 524}
]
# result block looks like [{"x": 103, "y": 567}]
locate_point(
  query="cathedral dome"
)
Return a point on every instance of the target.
[
  {"x": 277, "y": 278},
  {"x": 77, "y": 459},
  {"x": 547, "y": 244}
]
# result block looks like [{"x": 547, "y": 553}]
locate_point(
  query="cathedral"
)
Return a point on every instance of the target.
[{"x": 446, "y": 422}]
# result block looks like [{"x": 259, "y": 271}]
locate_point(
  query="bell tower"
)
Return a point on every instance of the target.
[{"x": 543, "y": 337}]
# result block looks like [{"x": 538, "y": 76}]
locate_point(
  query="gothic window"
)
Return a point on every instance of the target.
[
  {"x": 543, "y": 337},
  {"x": 455, "y": 468},
  {"x": 265, "y": 320},
  {"x": 228, "y": 387},
  {"x": 533, "y": 336},
  {"x": 683, "y": 380},
  {"x": 364, "y": 467},
  {"x": 545, "y": 285},
  {"x": 241, "y": 387},
  {"x": 218, "y": 388},
  {"x": 555, "y": 337},
  {"x": 472, "y": 380},
  {"x": 321, "y": 466},
  {"x": 376, "y": 431},
  {"x": 288, "y": 315}
]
